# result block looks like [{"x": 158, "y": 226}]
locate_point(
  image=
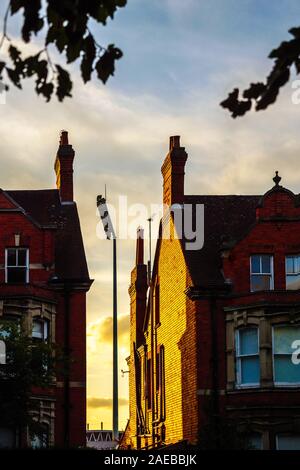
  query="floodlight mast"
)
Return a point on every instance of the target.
[{"x": 111, "y": 235}]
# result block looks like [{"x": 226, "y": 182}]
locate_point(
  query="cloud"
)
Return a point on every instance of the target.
[
  {"x": 101, "y": 330},
  {"x": 95, "y": 402},
  {"x": 120, "y": 133}
]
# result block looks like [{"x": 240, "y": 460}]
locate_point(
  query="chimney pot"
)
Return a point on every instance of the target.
[
  {"x": 64, "y": 140},
  {"x": 174, "y": 141}
]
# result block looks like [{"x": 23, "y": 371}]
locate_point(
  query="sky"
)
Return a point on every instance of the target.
[{"x": 181, "y": 58}]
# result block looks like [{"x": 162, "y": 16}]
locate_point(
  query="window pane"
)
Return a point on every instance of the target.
[
  {"x": 266, "y": 263},
  {"x": 37, "y": 329},
  {"x": 22, "y": 257},
  {"x": 254, "y": 441},
  {"x": 260, "y": 282},
  {"x": 285, "y": 370},
  {"x": 297, "y": 264},
  {"x": 248, "y": 341},
  {"x": 291, "y": 442},
  {"x": 39, "y": 442},
  {"x": 289, "y": 264},
  {"x": 255, "y": 264},
  {"x": 293, "y": 282},
  {"x": 7, "y": 438},
  {"x": 16, "y": 275},
  {"x": 284, "y": 336},
  {"x": 250, "y": 373},
  {"x": 11, "y": 257}
]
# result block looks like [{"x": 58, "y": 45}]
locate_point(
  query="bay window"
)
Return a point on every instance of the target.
[{"x": 285, "y": 370}]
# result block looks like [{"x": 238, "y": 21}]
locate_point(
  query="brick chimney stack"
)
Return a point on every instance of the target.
[
  {"x": 139, "y": 258},
  {"x": 138, "y": 298},
  {"x": 64, "y": 168},
  {"x": 138, "y": 290},
  {"x": 173, "y": 172}
]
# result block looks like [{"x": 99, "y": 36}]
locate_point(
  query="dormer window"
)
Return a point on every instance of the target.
[
  {"x": 261, "y": 272},
  {"x": 16, "y": 265}
]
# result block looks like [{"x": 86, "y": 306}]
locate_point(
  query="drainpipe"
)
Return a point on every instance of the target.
[
  {"x": 152, "y": 366},
  {"x": 215, "y": 365}
]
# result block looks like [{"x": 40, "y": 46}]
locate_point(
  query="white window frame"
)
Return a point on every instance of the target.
[
  {"x": 290, "y": 274},
  {"x": 238, "y": 357},
  {"x": 6, "y": 261},
  {"x": 261, "y": 273},
  {"x": 280, "y": 384},
  {"x": 2, "y": 352}
]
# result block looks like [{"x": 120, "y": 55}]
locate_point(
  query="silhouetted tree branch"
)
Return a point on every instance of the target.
[
  {"x": 261, "y": 95},
  {"x": 66, "y": 27}
]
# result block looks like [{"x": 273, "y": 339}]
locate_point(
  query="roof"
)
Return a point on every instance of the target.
[
  {"x": 44, "y": 207},
  {"x": 226, "y": 220}
]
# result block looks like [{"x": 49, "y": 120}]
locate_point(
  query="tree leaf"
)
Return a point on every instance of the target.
[
  {"x": 88, "y": 58},
  {"x": 14, "y": 53},
  {"x": 64, "y": 84},
  {"x": 105, "y": 66}
]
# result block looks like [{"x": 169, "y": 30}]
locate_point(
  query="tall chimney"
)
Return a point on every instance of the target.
[
  {"x": 138, "y": 290},
  {"x": 138, "y": 298},
  {"x": 64, "y": 168},
  {"x": 173, "y": 172},
  {"x": 139, "y": 258}
]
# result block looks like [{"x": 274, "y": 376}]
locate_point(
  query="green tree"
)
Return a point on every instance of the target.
[
  {"x": 29, "y": 364},
  {"x": 260, "y": 95},
  {"x": 64, "y": 24}
]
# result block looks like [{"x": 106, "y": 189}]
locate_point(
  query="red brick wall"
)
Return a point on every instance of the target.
[{"x": 41, "y": 253}]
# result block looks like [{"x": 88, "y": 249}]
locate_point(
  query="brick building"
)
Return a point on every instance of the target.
[
  {"x": 212, "y": 339},
  {"x": 44, "y": 280}
]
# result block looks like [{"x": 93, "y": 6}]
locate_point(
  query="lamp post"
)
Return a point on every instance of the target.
[{"x": 110, "y": 234}]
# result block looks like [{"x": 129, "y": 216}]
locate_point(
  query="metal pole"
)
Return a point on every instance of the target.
[
  {"x": 115, "y": 346},
  {"x": 150, "y": 255}
]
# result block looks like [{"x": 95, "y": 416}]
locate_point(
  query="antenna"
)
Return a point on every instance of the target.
[{"x": 105, "y": 191}]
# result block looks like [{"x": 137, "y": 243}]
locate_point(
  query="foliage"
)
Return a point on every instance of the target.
[
  {"x": 66, "y": 26},
  {"x": 261, "y": 95},
  {"x": 29, "y": 364}
]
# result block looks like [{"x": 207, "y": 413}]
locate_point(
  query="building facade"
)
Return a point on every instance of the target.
[
  {"x": 44, "y": 281},
  {"x": 214, "y": 336}
]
